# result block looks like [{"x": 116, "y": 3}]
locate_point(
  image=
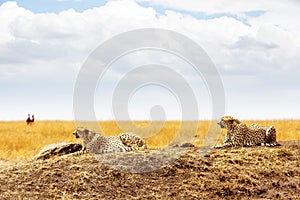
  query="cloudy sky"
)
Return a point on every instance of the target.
[{"x": 254, "y": 45}]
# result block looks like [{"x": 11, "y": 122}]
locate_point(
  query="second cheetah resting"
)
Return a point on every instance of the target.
[
  {"x": 238, "y": 134},
  {"x": 98, "y": 143}
]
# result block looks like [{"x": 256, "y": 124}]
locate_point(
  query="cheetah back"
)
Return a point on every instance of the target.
[
  {"x": 107, "y": 144},
  {"x": 270, "y": 132},
  {"x": 241, "y": 135},
  {"x": 133, "y": 140}
]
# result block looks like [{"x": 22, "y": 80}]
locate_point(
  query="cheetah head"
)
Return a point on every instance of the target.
[
  {"x": 228, "y": 122},
  {"x": 79, "y": 132},
  {"x": 84, "y": 134}
]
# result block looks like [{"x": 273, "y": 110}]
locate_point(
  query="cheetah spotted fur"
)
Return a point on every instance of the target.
[
  {"x": 98, "y": 143},
  {"x": 238, "y": 134}
]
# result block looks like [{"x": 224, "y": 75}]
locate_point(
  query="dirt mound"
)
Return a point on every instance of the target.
[{"x": 233, "y": 173}]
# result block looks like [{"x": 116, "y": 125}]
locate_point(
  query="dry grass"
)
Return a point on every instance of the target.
[{"x": 19, "y": 141}]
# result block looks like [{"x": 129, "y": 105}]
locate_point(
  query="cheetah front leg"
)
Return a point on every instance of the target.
[
  {"x": 84, "y": 150},
  {"x": 226, "y": 143}
]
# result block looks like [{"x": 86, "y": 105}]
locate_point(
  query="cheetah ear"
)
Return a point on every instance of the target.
[
  {"x": 236, "y": 121},
  {"x": 227, "y": 118}
]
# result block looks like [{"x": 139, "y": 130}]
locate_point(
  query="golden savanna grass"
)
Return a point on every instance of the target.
[{"x": 19, "y": 141}]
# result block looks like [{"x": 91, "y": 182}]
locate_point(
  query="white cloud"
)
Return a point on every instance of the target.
[
  {"x": 228, "y": 6},
  {"x": 8, "y": 13},
  {"x": 257, "y": 53}
]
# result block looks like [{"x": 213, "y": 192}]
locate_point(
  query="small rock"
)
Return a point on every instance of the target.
[
  {"x": 58, "y": 149},
  {"x": 187, "y": 145}
]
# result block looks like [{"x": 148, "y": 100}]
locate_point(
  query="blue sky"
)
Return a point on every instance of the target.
[
  {"x": 253, "y": 44},
  {"x": 57, "y": 6}
]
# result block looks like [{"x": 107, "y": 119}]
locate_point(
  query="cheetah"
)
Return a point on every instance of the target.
[
  {"x": 270, "y": 133},
  {"x": 98, "y": 143},
  {"x": 238, "y": 134}
]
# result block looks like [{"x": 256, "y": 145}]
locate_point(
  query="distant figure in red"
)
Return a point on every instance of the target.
[{"x": 29, "y": 120}]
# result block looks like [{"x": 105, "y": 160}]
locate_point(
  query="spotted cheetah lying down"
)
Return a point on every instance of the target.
[
  {"x": 97, "y": 143},
  {"x": 238, "y": 134}
]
